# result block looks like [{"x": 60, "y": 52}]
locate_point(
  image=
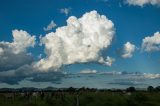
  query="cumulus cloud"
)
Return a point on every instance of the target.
[
  {"x": 53, "y": 77},
  {"x": 14, "y": 55},
  {"x": 143, "y": 2},
  {"x": 1, "y": 51},
  {"x": 23, "y": 70},
  {"x": 65, "y": 11},
  {"x": 151, "y": 43},
  {"x": 10, "y": 61},
  {"x": 50, "y": 26},
  {"x": 27, "y": 71},
  {"x": 88, "y": 71},
  {"x": 128, "y": 50},
  {"x": 21, "y": 41},
  {"x": 15, "y": 62},
  {"x": 81, "y": 41},
  {"x": 108, "y": 61}
]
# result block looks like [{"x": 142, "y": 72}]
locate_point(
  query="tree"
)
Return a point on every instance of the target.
[
  {"x": 71, "y": 89},
  {"x": 150, "y": 88},
  {"x": 157, "y": 88},
  {"x": 131, "y": 89}
]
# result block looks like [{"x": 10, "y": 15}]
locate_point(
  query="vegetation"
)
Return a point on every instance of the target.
[{"x": 83, "y": 97}]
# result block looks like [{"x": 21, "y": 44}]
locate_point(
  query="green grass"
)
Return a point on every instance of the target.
[{"x": 86, "y": 99}]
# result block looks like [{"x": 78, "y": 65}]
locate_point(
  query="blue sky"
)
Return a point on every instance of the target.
[{"x": 132, "y": 24}]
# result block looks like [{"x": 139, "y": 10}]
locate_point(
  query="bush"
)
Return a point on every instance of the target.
[
  {"x": 150, "y": 88},
  {"x": 131, "y": 89}
]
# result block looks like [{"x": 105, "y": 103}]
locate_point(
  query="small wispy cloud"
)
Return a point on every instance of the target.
[
  {"x": 108, "y": 61},
  {"x": 88, "y": 71},
  {"x": 39, "y": 56},
  {"x": 65, "y": 11},
  {"x": 142, "y": 2},
  {"x": 50, "y": 26}
]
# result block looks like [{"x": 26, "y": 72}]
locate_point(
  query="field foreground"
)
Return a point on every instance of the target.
[{"x": 81, "y": 98}]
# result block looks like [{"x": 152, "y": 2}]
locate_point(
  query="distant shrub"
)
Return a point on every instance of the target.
[
  {"x": 150, "y": 88},
  {"x": 157, "y": 88},
  {"x": 131, "y": 89}
]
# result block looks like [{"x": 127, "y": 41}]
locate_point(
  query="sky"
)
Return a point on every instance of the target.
[{"x": 50, "y": 38}]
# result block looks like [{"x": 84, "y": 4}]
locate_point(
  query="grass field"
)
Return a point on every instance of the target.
[{"x": 81, "y": 99}]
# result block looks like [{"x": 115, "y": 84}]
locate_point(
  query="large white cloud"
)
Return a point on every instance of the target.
[
  {"x": 143, "y": 2},
  {"x": 82, "y": 40},
  {"x": 14, "y": 55},
  {"x": 151, "y": 43},
  {"x": 128, "y": 50}
]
